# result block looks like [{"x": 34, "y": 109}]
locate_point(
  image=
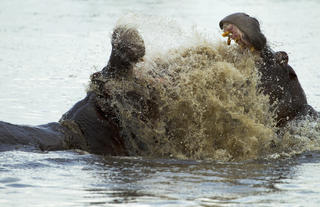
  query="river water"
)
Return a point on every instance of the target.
[{"x": 48, "y": 50}]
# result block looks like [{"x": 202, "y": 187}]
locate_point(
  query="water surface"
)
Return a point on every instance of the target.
[{"x": 48, "y": 49}]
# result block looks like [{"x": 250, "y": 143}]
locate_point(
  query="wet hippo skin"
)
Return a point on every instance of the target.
[
  {"x": 278, "y": 79},
  {"x": 86, "y": 126}
]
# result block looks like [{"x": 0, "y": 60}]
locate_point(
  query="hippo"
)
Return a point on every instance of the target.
[
  {"x": 278, "y": 79},
  {"x": 97, "y": 130},
  {"x": 84, "y": 126}
]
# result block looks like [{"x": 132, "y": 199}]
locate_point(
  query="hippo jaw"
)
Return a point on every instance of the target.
[
  {"x": 244, "y": 30},
  {"x": 278, "y": 79},
  {"x": 234, "y": 33}
]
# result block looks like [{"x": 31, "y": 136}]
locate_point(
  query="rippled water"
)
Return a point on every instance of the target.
[
  {"x": 73, "y": 179},
  {"x": 48, "y": 49}
]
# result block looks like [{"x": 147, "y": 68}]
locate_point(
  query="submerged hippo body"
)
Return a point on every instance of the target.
[
  {"x": 84, "y": 126},
  {"x": 88, "y": 127}
]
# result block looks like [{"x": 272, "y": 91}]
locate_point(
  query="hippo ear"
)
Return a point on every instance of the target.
[{"x": 281, "y": 58}]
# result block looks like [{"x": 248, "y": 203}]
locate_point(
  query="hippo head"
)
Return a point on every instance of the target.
[
  {"x": 127, "y": 49},
  {"x": 128, "y": 44},
  {"x": 245, "y": 30},
  {"x": 278, "y": 79}
]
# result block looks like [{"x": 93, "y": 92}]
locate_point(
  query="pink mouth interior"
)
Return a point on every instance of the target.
[{"x": 236, "y": 34}]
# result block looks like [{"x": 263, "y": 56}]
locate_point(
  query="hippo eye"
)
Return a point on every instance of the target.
[{"x": 281, "y": 58}]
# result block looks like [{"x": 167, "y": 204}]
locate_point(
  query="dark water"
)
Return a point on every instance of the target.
[
  {"x": 74, "y": 179},
  {"x": 48, "y": 49}
]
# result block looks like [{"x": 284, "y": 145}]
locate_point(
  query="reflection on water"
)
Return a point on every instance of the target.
[{"x": 75, "y": 179}]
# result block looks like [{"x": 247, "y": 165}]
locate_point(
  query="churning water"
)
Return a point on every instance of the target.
[{"x": 204, "y": 94}]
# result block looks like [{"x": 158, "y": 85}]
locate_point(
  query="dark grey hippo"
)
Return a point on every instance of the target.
[
  {"x": 88, "y": 127},
  {"x": 84, "y": 126},
  {"x": 278, "y": 79}
]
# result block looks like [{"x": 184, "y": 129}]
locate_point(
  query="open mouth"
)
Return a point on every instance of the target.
[{"x": 234, "y": 33}]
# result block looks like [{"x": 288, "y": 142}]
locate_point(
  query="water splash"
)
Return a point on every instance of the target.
[
  {"x": 197, "y": 101},
  {"x": 297, "y": 137}
]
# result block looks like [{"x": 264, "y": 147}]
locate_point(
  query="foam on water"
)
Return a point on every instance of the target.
[
  {"x": 200, "y": 100},
  {"x": 296, "y": 137}
]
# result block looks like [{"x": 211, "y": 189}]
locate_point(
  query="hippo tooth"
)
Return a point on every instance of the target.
[
  {"x": 225, "y": 34},
  {"x": 229, "y": 40}
]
